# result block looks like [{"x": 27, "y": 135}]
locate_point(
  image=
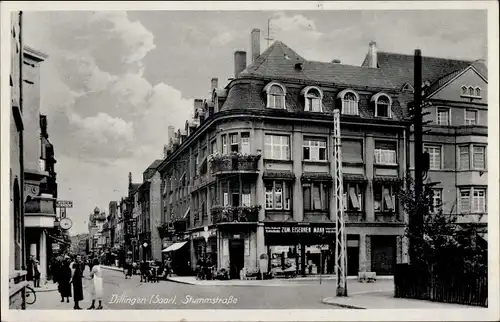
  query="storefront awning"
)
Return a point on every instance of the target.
[
  {"x": 174, "y": 247},
  {"x": 354, "y": 177},
  {"x": 388, "y": 179},
  {"x": 316, "y": 176},
  {"x": 283, "y": 175}
]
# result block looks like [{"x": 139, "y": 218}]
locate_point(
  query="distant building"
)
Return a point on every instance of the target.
[{"x": 97, "y": 239}]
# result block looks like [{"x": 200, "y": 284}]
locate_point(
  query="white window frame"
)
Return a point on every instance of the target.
[
  {"x": 284, "y": 147},
  {"x": 437, "y": 199},
  {"x": 315, "y": 145},
  {"x": 224, "y": 138},
  {"x": 389, "y": 107},
  {"x": 467, "y": 148},
  {"x": 469, "y": 121},
  {"x": 308, "y": 104},
  {"x": 356, "y": 197},
  {"x": 430, "y": 150},
  {"x": 271, "y": 196},
  {"x": 245, "y": 143},
  {"x": 448, "y": 112},
  {"x": 468, "y": 89},
  {"x": 349, "y": 107},
  {"x": 384, "y": 156},
  {"x": 271, "y": 97},
  {"x": 382, "y": 203},
  {"x": 474, "y": 146},
  {"x": 234, "y": 140},
  {"x": 476, "y": 197},
  {"x": 323, "y": 190}
]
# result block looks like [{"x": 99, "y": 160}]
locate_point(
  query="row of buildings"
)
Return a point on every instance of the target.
[
  {"x": 33, "y": 222},
  {"x": 252, "y": 172}
]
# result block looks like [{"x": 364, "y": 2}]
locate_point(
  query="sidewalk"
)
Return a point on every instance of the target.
[
  {"x": 52, "y": 301},
  {"x": 113, "y": 268},
  {"x": 386, "y": 300}
]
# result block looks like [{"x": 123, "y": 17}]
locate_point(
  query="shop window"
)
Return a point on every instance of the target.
[
  {"x": 316, "y": 196},
  {"x": 353, "y": 197},
  {"x": 384, "y": 198},
  {"x": 314, "y": 149},
  {"x": 277, "y": 195}
]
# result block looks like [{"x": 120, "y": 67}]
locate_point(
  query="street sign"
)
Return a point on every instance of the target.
[
  {"x": 62, "y": 213},
  {"x": 64, "y": 204}
]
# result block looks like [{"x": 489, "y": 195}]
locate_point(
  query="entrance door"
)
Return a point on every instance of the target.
[
  {"x": 383, "y": 254},
  {"x": 236, "y": 257},
  {"x": 352, "y": 261}
]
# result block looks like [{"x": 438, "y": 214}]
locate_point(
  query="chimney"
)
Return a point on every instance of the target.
[
  {"x": 240, "y": 62},
  {"x": 198, "y": 105},
  {"x": 372, "y": 55},
  {"x": 214, "y": 84},
  {"x": 171, "y": 131},
  {"x": 255, "y": 44}
]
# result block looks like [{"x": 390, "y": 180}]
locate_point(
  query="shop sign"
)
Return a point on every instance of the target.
[{"x": 299, "y": 230}]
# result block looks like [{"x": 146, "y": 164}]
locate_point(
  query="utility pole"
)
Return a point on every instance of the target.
[
  {"x": 416, "y": 220},
  {"x": 340, "y": 233}
]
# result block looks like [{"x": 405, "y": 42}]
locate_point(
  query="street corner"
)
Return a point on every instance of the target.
[{"x": 341, "y": 302}]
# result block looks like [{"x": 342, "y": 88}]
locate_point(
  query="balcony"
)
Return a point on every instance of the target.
[
  {"x": 235, "y": 214},
  {"x": 387, "y": 217},
  {"x": 234, "y": 163}
]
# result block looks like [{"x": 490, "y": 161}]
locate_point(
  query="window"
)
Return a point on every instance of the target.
[
  {"x": 478, "y": 92},
  {"x": 478, "y": 202},
  {"x": 478, "y": 157},
  {"x": 246, "y": 199},
  {"x": 313, "y": 98},
  {"x": 352, "y": 150},
  {"x": 463, "y": 157},
  {"x": 213, "y": 146},
  {"x": 316, "y": 196},
  {"x": 233, "y": 139},
  {"x": 382, "y": 106},
  {"x": 245, "y": 143},
  {"x": 350, "y": 104},
  {"x": 277, "y": 147},
  {"x": 314, "y": 149},
  {"x": 470, "y": 117},
  {"x": 275, "y": 96},
  {"x": 385, "y": 153},
  {"x": 278, "y": 195},
  {"x": 437, "y": 199},
  {"x": 434, "y": 157},
  {"x": 224, "y": 144},
  {"x": 471, "y": 91},
  {"x": 353, "y": 197},
  {"x": 443, "y": 116},
  {"x": 384, "y": 198},
  {"x": 464, "y": 90}
]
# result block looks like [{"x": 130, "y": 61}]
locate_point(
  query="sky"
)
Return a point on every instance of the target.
[{"x": 114, "y": 81}]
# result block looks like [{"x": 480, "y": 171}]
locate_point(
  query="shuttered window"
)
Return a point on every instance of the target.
[{"x": 352, "y": 150}]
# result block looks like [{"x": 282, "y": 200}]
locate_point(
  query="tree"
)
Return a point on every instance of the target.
[{"x": 443, "y": 244}]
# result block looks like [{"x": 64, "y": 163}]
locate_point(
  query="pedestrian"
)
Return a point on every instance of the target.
[
  {"x": 63, "y": 279},
  {"x": 96, "y": 287},
  {"x": 36, "y": 267},
  {"x": 30, "y": 275},
  {"x": 76, "y": 280},
  {"x": 128, "y": 268}
]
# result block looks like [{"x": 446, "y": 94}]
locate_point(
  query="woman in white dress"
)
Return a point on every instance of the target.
[{"x": 96, "y": 287}]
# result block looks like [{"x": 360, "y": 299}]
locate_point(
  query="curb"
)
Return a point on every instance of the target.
[{"x": 328, "y": 301}]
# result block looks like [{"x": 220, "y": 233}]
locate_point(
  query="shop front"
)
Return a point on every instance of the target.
[
  {"x": 205, "y": 246},
  {"x": 238, "y": 248},
  {"x": 302, "y": 249},
  {"x": 176, "y": 249}
]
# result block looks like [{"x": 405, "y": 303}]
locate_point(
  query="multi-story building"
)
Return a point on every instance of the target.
[
  {"x": 150, "y": 213},
  {"x": 97, "y": 240},
  {"x": 253, "y": 173},
  {"x": 79, "y": 244},
  {"x": 17, "y": 259},
  {"x": 456, "y": 93},
  {"x": 131, "y": 210}
]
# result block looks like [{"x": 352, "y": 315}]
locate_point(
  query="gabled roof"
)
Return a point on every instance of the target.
[
  {"x": 278, "y": 62},
  {"x": 400, "y": 67},
  {"x": 155, "y": 164},
  {"x": 481, "y": 67}
]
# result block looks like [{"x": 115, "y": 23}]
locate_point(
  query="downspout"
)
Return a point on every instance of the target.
[{"x": 21, "y": 142}]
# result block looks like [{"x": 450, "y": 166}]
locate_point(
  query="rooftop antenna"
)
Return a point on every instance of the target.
[{"x": 268, "y": 36}]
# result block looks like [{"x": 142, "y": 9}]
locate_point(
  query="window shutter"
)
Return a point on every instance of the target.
[{"x": 352, "y": 150}]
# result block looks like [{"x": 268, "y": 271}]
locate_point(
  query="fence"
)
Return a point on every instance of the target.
[{"x": 452, "y": 287}]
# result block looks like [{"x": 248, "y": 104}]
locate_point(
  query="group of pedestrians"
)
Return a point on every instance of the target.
[{"x": 71, "y": 275}]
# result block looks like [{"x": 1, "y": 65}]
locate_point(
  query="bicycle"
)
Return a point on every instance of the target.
[{"x": 30, "y": 295}]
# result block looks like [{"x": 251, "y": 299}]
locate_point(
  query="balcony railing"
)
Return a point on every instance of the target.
[
  {"x": 387, "y": 217},
  {"x": 234, "y": 162},
  {"x": 222, "y": 214}
]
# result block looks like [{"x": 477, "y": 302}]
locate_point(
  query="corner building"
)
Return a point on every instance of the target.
[{"x": 253, "y": 173}]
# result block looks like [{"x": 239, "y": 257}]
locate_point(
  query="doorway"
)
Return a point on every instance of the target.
[
  {"x": 352, "y": 261},
  {"x": 236, "y": 257},
  {"x": 383, "y": 254}
]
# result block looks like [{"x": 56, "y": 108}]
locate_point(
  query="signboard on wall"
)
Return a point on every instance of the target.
[
  {"x": 64, "y": 204},
  {"x": 299, "y": 230},
  {"x": 247, "y": 247}
]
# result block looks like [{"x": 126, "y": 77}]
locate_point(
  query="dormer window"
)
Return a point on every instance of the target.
[
  {"x": 350, "y": 101},
  {"x": 383, "y": 105},
  {"x": 313, "y": 97},
  {"x": 275, "y": 95}
]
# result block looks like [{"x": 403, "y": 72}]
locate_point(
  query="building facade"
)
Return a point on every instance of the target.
[
  {"x": 456, "y": 130},
  {"x": 17, "y": 249},
  {"x": 97, "y": 238},
  {"x": 252, "y": 173}
]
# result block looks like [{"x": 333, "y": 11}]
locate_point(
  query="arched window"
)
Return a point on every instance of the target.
[
  {"x": 471, "y": 91},
  {"x": 275, "y": 95},
  {"x": 312, "y": 99},
  {"x": 478, "y": 92},
  {"x": 350, "y": 101},
  {"x": 464, "y": 90},
  {"x": 382, "y": 105}
]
